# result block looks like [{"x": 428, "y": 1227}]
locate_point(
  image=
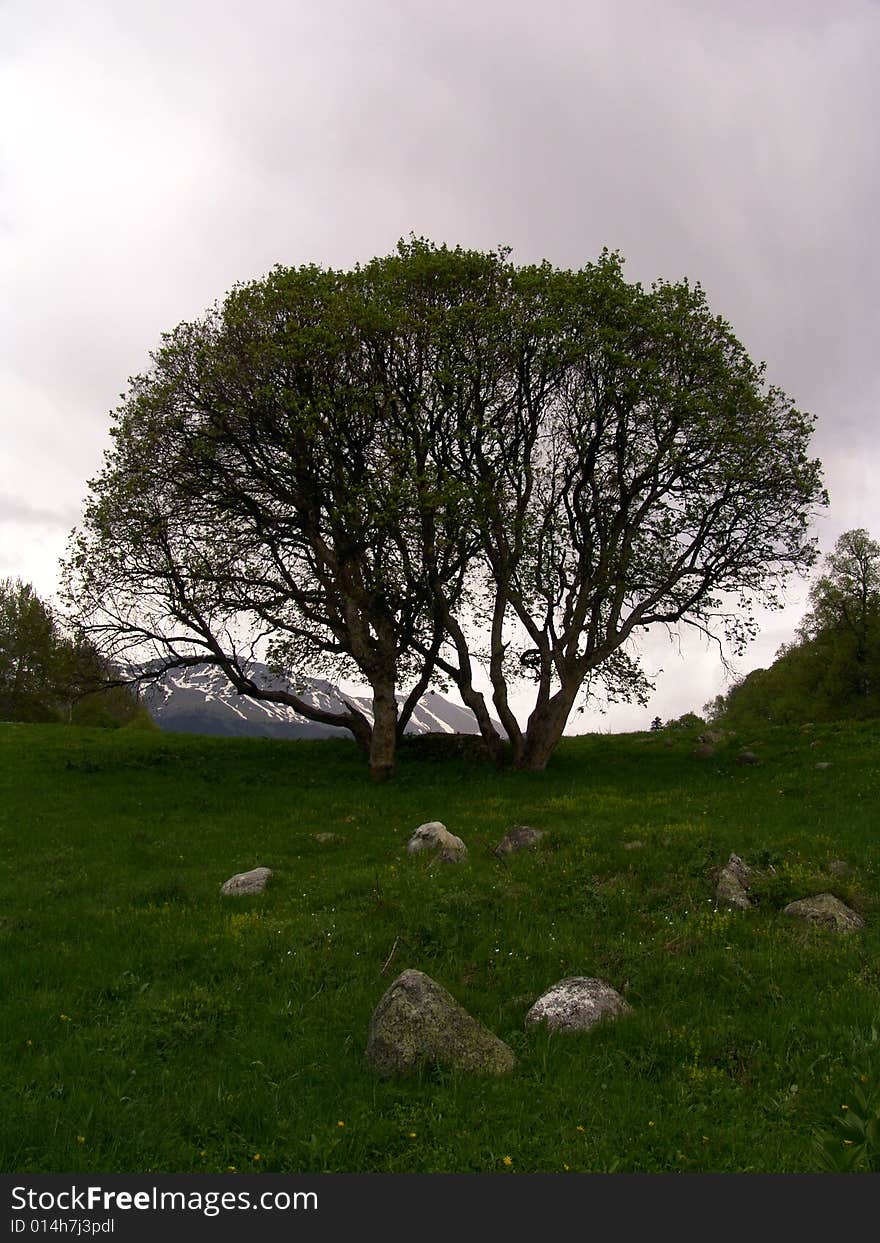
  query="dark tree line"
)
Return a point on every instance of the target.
[
  {"x": 440, "y": 463},
  {"x": 831, "y": 671},
  {"x": 48, "y": 674}
]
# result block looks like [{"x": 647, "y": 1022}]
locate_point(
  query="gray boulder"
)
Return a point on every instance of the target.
[
  {"x": 824, "y": 764},
  {"x": 434, "y": 836},
  {"x": 247, "y": 882},
  {"x": 576, "y": 1004},
  {"x": 704, "y": 750},
  {"x": 520, "y": 837},
  {"x": 635, "y": 845},
  {"x": 826, "y": 911},
  {"x": 747, "y": 757},
  {"x": 417, "y": 1023},
  {"x": 734, "y": 880},
  {"x": 840, "y": 867}
]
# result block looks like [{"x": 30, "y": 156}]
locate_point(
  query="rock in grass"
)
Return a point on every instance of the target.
[
  {"x": 576, "y": 1004},
  {"x": 417, "y": 1023},
  {"x": 747, "y": 757},
  {"x": 824, "y": 764},
  {"x": 733, "y": 882},
  {"x": 711, "y": 737},
  {"x": 839, "y": 867},
  {"x": 520, "y": 837},
  {"x": 636, "y": 845},
  {"x": 704, "y": 750},
  {"x": 247, "y": 882},
  {"x": 826, "y": 911},
  {"x": 436, "y": 837}
]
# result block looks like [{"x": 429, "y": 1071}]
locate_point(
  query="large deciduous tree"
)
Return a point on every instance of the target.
[
  {"x": 270, "y": 481},
  {"x": 635, "y": 469},
  {"x": 439, "y": 463}
]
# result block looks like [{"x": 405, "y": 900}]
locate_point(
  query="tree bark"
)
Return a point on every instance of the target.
[
  {"x": 544, "y": 729},
  {"x": 462, "y": 675},
  {"x": 383, "y": 740}
]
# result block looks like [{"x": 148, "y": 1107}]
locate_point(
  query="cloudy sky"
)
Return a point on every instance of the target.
[{"x": 153, "y": 155}]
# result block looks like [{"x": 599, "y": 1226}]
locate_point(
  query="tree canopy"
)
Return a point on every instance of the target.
[{"x": 439, "y": 463}]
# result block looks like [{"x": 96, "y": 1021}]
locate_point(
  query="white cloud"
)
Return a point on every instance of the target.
[{"x": 150, "y": 157}]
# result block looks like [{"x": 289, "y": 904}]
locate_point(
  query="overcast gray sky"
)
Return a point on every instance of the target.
[{"x": 153, "y": 155}]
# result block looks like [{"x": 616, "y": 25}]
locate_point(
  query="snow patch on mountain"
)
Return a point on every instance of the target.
[{"x": 200, "y": 700}]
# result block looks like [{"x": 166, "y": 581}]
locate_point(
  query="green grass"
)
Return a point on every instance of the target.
[{"x": 148, "y": 1024}]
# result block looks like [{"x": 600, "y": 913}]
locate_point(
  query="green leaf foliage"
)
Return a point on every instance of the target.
[
  {"x": 49, "y": 675},
  {"x": 440, "y": 462},
  {"x": 832, "y": 670}
]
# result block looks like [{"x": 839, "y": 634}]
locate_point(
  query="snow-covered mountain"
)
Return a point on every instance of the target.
[{"x": 200, "y": 700}]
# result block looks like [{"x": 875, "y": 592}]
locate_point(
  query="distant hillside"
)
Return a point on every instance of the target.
[{"x": 201, "y": 701}]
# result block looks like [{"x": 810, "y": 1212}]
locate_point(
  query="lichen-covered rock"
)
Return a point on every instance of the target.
[
  {"x": 824, "y": 764},
  {"x": 738, "y": 868},
  {"x": 839, "y": 867},
  {"x": 747, "y": 757},
  {"x": 826, "y": 911},
  {"x": 324, "y": 838},
  {"x": 418, "y": 1023},
  {"x": 436, "y": 837},
  {"x": 733, "y": 882},
  {"x": 247, "y": 882},
  {"x": 636, "y": 845},
  {"x": 520, "y": 837},
  {"x": 576, "y": 1004}
]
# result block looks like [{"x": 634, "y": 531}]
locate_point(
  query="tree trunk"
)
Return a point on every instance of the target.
[
  {"x": 474, "y": 700},
  {"x": 463, "y": 678},
  {"x": 383, "y": 740},
  {"x": 544, "y": 729}
]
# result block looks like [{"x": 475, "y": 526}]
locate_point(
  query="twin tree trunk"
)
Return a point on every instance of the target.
[{"x": 531, "y": 750}]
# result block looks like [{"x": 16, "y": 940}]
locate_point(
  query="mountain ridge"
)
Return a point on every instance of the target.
[{"x": 201, "y": 700}]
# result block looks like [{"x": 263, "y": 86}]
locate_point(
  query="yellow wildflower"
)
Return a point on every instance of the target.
[{"x": 508, "y": 1160}]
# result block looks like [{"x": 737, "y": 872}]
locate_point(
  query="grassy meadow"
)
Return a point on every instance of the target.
[{"x": 148, "y": 1024}]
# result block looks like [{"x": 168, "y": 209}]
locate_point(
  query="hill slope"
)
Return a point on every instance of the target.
[{"x": 151, "y": 1025}]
